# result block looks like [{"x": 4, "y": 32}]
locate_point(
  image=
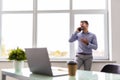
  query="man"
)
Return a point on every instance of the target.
[{"x": 86, "y": 42}]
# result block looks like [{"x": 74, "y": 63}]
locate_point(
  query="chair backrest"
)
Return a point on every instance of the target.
[{"x": 111, "y": 68}]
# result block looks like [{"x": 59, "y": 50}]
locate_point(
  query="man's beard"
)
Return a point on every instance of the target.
[{"x": 82, "y": 28}]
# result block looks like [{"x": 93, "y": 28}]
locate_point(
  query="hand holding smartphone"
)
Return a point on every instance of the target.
[{"x": 79, "y": 29}]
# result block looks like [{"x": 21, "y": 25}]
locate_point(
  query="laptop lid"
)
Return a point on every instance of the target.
[{"x": 38, "y": 61}]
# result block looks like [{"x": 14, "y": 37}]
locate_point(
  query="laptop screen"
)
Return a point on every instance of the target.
[{"x": 38, "y": 60}]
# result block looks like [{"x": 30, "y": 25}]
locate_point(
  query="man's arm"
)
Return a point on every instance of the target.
[
  {"x": 73, "y": 37},
  {"x": 93, "y": 44}
]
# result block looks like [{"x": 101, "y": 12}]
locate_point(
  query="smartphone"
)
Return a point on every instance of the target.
[{"x": 80, "y": 28}]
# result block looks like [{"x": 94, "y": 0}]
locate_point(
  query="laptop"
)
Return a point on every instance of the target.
[{"x": 39, "y": 63}]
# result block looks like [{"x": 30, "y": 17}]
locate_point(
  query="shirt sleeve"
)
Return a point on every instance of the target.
[
  {"x": 73, "y": 37},
  {"x": 93, "y": 44}
]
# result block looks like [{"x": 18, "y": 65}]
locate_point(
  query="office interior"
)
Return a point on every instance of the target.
[{"x": 114, "y": 43}]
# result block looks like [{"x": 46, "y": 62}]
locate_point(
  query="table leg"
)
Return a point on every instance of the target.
[{"x": 3, "y": 77}]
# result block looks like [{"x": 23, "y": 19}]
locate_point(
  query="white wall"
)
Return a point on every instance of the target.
[
  {"x": 115, "y": 19},
  {"x": 115, "y": 39}
]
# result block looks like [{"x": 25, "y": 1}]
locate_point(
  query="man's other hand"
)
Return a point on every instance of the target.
[{"x": 85, "y": 41}]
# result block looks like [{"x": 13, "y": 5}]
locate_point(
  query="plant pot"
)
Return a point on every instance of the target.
[{"x": 18, "y": 65}]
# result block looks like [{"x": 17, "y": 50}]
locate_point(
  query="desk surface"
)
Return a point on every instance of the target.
[{"x": 80, "y": 75}]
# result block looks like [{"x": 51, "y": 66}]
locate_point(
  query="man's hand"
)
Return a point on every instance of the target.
[
  {"x": 78, "y": 29},
  {"x": 85, "y": 41}
]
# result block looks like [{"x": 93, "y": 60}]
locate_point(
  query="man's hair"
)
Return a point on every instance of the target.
[{"x": 84, "y": 21}]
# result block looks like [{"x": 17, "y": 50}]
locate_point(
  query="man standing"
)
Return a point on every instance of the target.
[{"x": 86, "y": 42}]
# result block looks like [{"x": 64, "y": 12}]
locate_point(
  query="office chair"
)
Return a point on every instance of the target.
[{"x": 111, "y": 68}]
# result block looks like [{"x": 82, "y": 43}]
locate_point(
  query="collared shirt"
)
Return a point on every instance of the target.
[{"x": 82, "y": 47}]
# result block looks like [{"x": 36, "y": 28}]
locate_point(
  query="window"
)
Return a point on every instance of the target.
[
  {"x": 16, "y": 31},
  {"x": 53, "y": 33},
  {"x": 53, "y": 4},
  {"x": 96, "y": 14},
  {"x": 96, "y": 26},
  {"x": 17, "y": 5},
  {"x": 50, "y": 23},
  {"x": 89, "y": 4}
]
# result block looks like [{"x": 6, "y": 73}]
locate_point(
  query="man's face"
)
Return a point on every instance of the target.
[{"x": 84, "y": 25}]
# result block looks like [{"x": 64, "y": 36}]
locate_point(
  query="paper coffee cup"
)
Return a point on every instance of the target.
[{"x": 72, "y": 68}]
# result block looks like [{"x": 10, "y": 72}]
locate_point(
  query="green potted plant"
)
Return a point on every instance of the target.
[{"x": 18, "y": 56}]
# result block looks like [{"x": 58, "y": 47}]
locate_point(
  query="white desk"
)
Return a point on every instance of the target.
[{"x": 81, "y": 75}]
